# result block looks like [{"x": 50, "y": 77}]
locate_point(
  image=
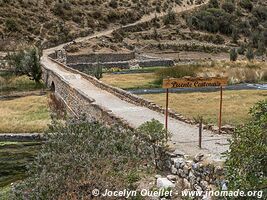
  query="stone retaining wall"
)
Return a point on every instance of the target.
[{"x": 101, "y": 57}]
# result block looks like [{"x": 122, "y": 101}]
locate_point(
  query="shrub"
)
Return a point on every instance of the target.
[
  {"x": 11, "y": 25},
  {"x": 228, "y": 7},
  {"x": 246, "y": 4},
  {"x": 214, "y": 4},
  {"x": 80, "y": 156},
  {"x": 233, "y": 55},
  {"x": 156, "y": 136},
  {"x": 241, "y": 50},
  {"x": 178, "y": 71},
  {"x": 113, "y": 4},
  {"x": 246, "y": 160},
  {"x": 250, "y": 54}
]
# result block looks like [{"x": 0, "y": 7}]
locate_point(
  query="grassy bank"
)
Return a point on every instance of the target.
[
  {"x": 24, "y": 115},
  {"x": 236, "y": 104}
]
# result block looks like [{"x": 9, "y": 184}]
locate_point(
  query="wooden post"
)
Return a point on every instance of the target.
[
  {"x": 200, "y": 132},
  {"x": 220, "y": 114},
  {"x": 166, "y": 111}
]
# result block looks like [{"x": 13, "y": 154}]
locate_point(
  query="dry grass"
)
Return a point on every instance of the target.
[
  {"x": 24, "y": 115},
  {"x": 129, "y": 81},
  {"x": 236, "y": 104}
]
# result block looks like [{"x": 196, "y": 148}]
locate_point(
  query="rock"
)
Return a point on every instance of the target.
[
  {"x": 186, "y": 184},
  {"x": 157, "y": 176},
  {"x": 179, "y": 153},
  {"x": 164, "y": 183},
  {"x": 179, "y": 163},
  {"x": 195, "y": 166},
  {"x": 174, "y": 170},
  {"x": 204, "y": 184},
  {"x": 181, "y": 173},
  {"x": 197, "y": 187},
  {"x": 198, "y": 157},
  {"x": 172, "y": 177},
  {"x": 186, "y": 170},
  {"x": 218, "y": 170}
]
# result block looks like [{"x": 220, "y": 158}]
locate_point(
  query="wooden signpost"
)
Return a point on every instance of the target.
[{"x": 194, "y": 83}]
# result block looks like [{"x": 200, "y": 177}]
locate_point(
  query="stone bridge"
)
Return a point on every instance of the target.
[{"x": 84, "y": 94}]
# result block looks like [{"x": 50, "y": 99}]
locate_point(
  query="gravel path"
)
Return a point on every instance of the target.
[{"x": 185, "y": 136}]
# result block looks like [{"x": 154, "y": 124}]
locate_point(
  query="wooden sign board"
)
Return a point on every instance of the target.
[{"x": 194, "y": 82}]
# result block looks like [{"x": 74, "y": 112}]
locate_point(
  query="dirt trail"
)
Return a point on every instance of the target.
[{"x": 185, "y": 136}]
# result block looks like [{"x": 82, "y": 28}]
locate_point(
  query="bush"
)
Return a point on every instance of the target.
[
  {"x": 113, "y": 4},
  {"x": 179, "y": 71},
  {"x": 233, "y": 55},
  {"x": 250, "y": 54},
  {"x": 247, "y": 159},
  {"x": 80, "y": 156},
  {"x": 246, "y": 4},
  {"x": 228, "y": 7},
  {"x": 11, "y": 25}
]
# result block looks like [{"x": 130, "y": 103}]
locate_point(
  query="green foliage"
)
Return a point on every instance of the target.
[
  {"x": 241, "y": 50},
  {"x": 169, "y": 18},
  {"x": 155, "y": 135},
  {"x": 213, "y": 20},
  {"x": 11, "y": 25},
  {"x": 247, "y": 159},
  {"x": 113, "y": 4},
  {"x": 246, "y": 4},
  {"x": 80, "y": 156},
  {"x": 27, "y": 62},
  {"x": 228, "y": 7},
  {"x": 178, "y": 71},
  {"x": 214, "y": 4},
  {"x": 233, "y": 54},
  {"x": 250, "y": 54},
  {"x": 98, "y": 73}
]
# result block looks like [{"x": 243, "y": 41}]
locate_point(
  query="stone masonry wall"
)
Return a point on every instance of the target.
[
  {"x": 101, "y": 57},
  {"x": 78, "y": 103}
]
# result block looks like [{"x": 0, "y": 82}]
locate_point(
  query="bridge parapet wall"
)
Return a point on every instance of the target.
[{"x": 77, "y": 103}]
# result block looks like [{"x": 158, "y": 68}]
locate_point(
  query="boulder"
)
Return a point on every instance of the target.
[{"x": 164, "y": 183}]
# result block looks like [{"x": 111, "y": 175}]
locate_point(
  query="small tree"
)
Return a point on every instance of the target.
[
  {"x": 261, "y": 51},
  {"x": 27, "y": 62},
  {"x": 250, "y": 54},
  {"x": 233, "y": 55},
  {"x": 154, "y": 133}
]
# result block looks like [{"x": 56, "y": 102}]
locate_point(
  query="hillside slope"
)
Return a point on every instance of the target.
[{"x": 51, "y": 22}]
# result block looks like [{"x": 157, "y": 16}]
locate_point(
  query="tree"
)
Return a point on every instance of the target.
[
  {"x": 27, "y": 62},
  {"x": 246, "y": 159},
  {"x": 233, "y": 54},
  {"x": 246, "y": 4},
  {"x": 250, "y": 54}
]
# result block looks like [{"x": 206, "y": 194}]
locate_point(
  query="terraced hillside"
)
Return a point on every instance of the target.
[
  {"x": 209, "y": 31},
  {"x": 51, "y": 22}
]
